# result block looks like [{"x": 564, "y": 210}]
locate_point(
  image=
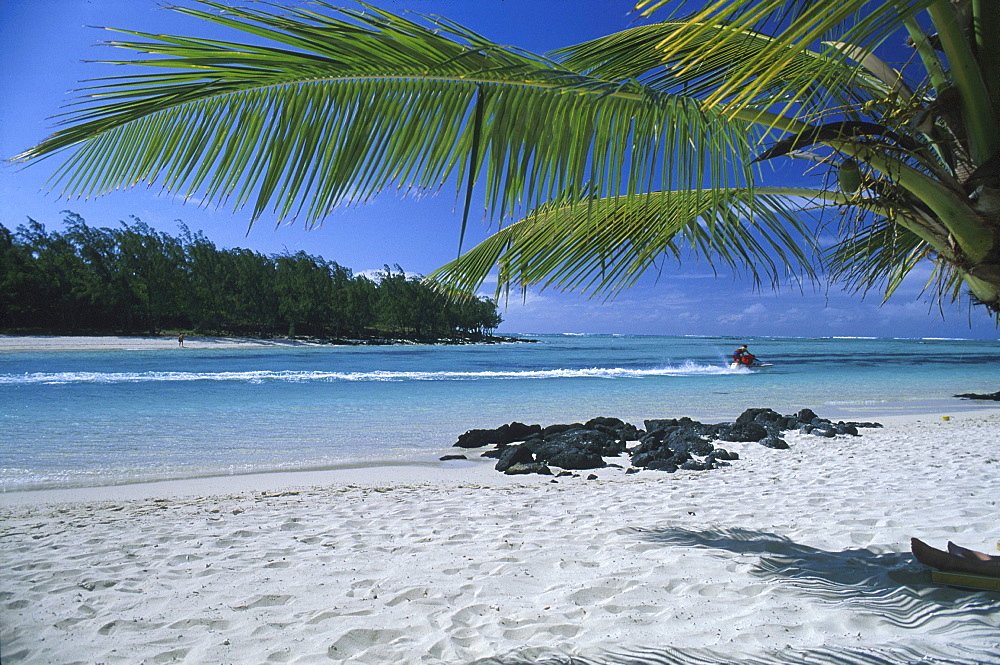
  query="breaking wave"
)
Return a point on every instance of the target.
[{"x": 261, "y": 376}]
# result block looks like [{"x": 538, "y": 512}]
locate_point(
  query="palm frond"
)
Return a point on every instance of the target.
[
  {"x": 333, "y": 109},
  {"x": 603, "y": 245},
  {"x": 863, "y": 24},
  {"x": 881, "y": 254},
  {"x": 712, "y": 55}
]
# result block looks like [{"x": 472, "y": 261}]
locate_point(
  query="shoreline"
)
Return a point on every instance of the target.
[
  {"x": 787, "y": 556},
  {"x": 38, "y": 343},
  {"x": 425, "y": 469},
  {"x": 54, "y": 343},
  {"x": 374, "y": 474}
]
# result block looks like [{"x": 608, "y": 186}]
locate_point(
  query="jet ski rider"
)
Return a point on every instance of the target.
[{"x": 743, "y": 357}]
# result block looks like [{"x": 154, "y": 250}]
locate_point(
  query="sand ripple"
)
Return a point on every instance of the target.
[
  {"x": 794, "y": 556},
  {"x": 820, "y": 656}
]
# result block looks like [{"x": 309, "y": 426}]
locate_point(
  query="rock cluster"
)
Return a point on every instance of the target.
[
  {"x": 987, "y": 396},
  {"x": 665, "y": 444}
]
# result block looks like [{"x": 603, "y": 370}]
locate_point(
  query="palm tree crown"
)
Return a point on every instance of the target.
[{"x": 596, "y": 160}]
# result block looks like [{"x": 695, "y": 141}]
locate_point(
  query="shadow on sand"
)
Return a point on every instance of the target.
[
  {"x": 890, "y": 587},
  {"x": 894, "y": 585}
]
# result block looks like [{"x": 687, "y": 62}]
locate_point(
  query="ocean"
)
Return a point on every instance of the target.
[{"x": 91, "y": 418}]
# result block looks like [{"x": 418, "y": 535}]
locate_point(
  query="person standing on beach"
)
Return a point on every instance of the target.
[{"x": 180, "y": 340}]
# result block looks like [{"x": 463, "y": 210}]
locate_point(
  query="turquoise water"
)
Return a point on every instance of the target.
[{"x": 70, "y": 419}]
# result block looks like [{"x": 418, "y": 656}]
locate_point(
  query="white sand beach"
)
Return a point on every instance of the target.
[
  {"x": 135, "y": 343},
  {"x": 796, "y": 555}
]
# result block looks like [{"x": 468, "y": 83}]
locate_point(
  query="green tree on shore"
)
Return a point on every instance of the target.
[
  {"x": 135, "y": 279},
  {"x": 152, "y": 267},
  {"x": 610, "y": 154}
]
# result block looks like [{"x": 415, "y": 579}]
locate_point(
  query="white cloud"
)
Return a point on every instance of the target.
[
  {"x": 752, "y": 313},
  {"x": 376, "y": 274}
]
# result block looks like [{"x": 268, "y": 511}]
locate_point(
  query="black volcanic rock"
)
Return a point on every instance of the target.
[
  {"x": 805, "y": 415},
  {"x": 615, "y": 427},
  {"x": 745, "y": 432},
  {"x": 577, "y": 459},
  {"x": 760, "y": 416},
  {"x": 512, "y": 455},
  {"x": 523, "y": 468},
  {"x": 995, "y": 397},
  {"x": 662, "y": 465},
  {"x": 659, "y": 424},
  {"x": 559, "y": 429},
  {"x": 774, "y": 442},
  {"x": 723, "y": 454},
  {"x": 688, "y": 442},
  {"x": 667, "y": 444},
  {"x": 576, "y": 448},
  {"x": 476, "y": 438}
]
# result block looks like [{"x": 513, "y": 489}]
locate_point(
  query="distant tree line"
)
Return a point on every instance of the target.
[{"x": 134, "y": 279}]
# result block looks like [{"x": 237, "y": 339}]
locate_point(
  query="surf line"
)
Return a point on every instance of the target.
[{"x": 257, "y": 376}]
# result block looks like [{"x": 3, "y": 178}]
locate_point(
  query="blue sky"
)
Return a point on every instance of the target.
[{"x": 43, "y": 46}]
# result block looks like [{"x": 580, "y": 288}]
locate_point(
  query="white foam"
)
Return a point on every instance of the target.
[{"x": 685, "y": 369}]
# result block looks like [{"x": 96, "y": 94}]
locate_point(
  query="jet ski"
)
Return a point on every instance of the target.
[{"x": 753, "y": 365}]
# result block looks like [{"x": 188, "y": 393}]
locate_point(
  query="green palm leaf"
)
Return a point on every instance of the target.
[
  {"x": 800, "y": 25},
  {"x": 880, "y": 254},
  {"x": 334, "y": 110},
  {"x": 712, "y": 57},
  {"x": 603, "y": 245}
]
